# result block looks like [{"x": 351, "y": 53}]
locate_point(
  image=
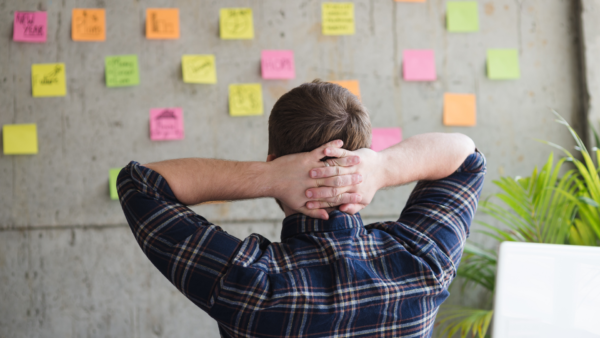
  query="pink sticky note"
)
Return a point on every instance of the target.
[
  {"x": 385, "y": 137},
  {"x": 419, "y": 65},
  {"x": 166, "y": 124},
  {"x": 30, "y": 26},
  {"x": 278, "y": 64}
]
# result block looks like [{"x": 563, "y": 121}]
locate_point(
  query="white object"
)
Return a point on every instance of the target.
[{"x": 547, "y": 290}]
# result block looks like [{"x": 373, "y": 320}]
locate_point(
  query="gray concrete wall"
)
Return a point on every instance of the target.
[{"x": 68, "y": 264}]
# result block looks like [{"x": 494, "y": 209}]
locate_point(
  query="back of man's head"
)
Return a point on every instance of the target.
[{"x": 315, "y": 113}]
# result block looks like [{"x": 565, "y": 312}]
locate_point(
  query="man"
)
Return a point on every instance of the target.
[{"x": 330, "y": 276}]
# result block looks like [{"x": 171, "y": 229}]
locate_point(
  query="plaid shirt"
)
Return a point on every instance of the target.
[{"x": 335, "y": 278}]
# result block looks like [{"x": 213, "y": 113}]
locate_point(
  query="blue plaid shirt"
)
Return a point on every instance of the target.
[{"x": 335, "y": 278}]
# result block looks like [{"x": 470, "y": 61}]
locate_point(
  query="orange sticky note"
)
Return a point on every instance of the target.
[
  {"x": 459, "y": 110},
  {"x": 88, "y": 24},
  {"x": 351, "y": 85},
  {"x": 162, "y": 23}
]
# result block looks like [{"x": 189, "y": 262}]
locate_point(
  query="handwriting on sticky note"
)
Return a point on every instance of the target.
[
  {"x": 88, "y": 24},
  {"x": 121, "y": 70},
  {"x": 236, "y": 23},
  {"x": 199, "y": 69},
  {"x": 30, "y": 26},
  {"x": 462, "y": 16},
  {"x": 459, "y": 110},
  {"x": 352, "y": 86},
  {"x": 338, "y": 18},
  {"x": 20, "y": 139},
  {"x": 113, "y": 174},
  {"x": 383, "y": 138},
  {"x": 277, "y": 64},
  {"x": 166, "y": 124},
  {"x": 245, "y": 99},
  {"x": 48, "y": 79},
  {"x": 162, "y": 23},
  {"x": 503, "y": 64},
  {"x": 419, "y": 65}
]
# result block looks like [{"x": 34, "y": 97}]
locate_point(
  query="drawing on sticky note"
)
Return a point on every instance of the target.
[
  {"x": 245, "y": 99},
  {"x": 30, "y": 26},
  {"x": 337, "y": 18},
  {"x": 419, "y": 65},
  {"x": 162, "y": 23},
  {"x": 459, "y": 110},
  {"x": 277, "y": 64},
  {"x": 20, "y": 139},
  {"x": 236, "y": 23},
  {"x": 352, "y": 86},
  {"x": 48, "y": 79},
  {"x": 383, "y": 138},
  {"x": 121, "y": 70},
  {"x": 88, "y": 25},
  {"x": 199, "y": 69},
  {"x": 166, "y": 124}
]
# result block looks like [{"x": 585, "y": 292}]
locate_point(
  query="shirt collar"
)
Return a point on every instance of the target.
[{"x": 298, "y": 223}]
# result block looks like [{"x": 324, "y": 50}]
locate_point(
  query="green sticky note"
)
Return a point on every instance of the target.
[
  {"x": 112, "y": 182},
  {"x": 122, "y": 70},
  {"x": 20, "y": 139},
  {"x": 462, "y": 16},
  {"x": 199, "y": 69},
  {"x": 503, "y": 64}
]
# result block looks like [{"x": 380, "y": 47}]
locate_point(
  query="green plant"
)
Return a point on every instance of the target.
[{"x": 543, "y": 208}]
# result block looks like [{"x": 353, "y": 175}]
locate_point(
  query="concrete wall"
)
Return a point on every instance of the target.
[{"x": 69, "y": 266}]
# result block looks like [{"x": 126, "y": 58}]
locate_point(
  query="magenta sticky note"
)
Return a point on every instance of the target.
[
  {"x": 419, "y": 65},
  {"x": 166, "y": 124},
  {"x": 385, "y": 137},
  {"x": 30, "y": 27},
  {"x": 278, "y": 64}
]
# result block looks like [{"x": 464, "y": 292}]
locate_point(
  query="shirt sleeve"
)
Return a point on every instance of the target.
[
  {"x": 438, "y": 215},
  {"x": 187, "y": 249}
]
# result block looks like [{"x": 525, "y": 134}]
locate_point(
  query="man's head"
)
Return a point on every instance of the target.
[{"x": 315, "y": 113}]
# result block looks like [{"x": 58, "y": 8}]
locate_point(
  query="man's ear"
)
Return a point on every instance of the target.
[{"x": 271, "y": 157}]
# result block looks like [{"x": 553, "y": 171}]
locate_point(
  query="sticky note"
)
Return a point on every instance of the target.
[
  {"x": 19, "y": 139},
  {"x": 48, "y": 79},
  {"x": 88, "y": 24},
  {"x": 121, "y": 71},
  {"x": 162, "y": 23},
  {"x": 113, "y": 173},
  {"x": 351, "y": 85},
  {"x": 459, "y": 110},
  {"x": 278, "y": 64},
  {"x": 462, "y": 16},
  {"x": 383, "y": 138},
  {"x": 503, "y": 64},
  {"x": 30, "y": 26},
  {"x": 338, "y": 18},
  {"x": 199, "y": 69},
  {"x": 245, "y": 99},
  {"x": 166, "y": 124},
  {"x": 419, "y": 65},
  {"x": 236, "y": 23},
  {"x": 410, "y": 0}
]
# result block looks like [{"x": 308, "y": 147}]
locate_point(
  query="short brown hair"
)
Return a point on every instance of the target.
[{"x": 315, "y": 113}]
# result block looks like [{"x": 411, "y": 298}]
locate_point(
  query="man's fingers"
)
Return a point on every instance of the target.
[
  {"x": 333, "y": 186},
  {"x": 344, "y": 161},
  {"x": 334, "y": 201},
  {"x": 332, "y": 171},
  {"x": 315, "y": 213},
  {"x": 336, "y": 152},
  {"x": 351, "y": 208},
  {"x": 335, "y": 144}
]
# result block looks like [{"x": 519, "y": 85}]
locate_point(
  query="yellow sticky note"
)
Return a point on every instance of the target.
[
  {"x": 338, "y": 18},
  {"x": 48, "y": 79},
  {"x": 351, "y": 85},
  {"x": 88, "y": 24},
  {"x": 20, "y": 139},
  {"x": 459, "y": 110},
  {"x": 236, "y": 23},
  {"x": 245, "y": 99},
  {"x": 199, "y": 69},
  {"x": 162, "y": 23}
]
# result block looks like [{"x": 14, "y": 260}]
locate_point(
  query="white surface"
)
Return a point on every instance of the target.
[{"x": 545, "y": 290}]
